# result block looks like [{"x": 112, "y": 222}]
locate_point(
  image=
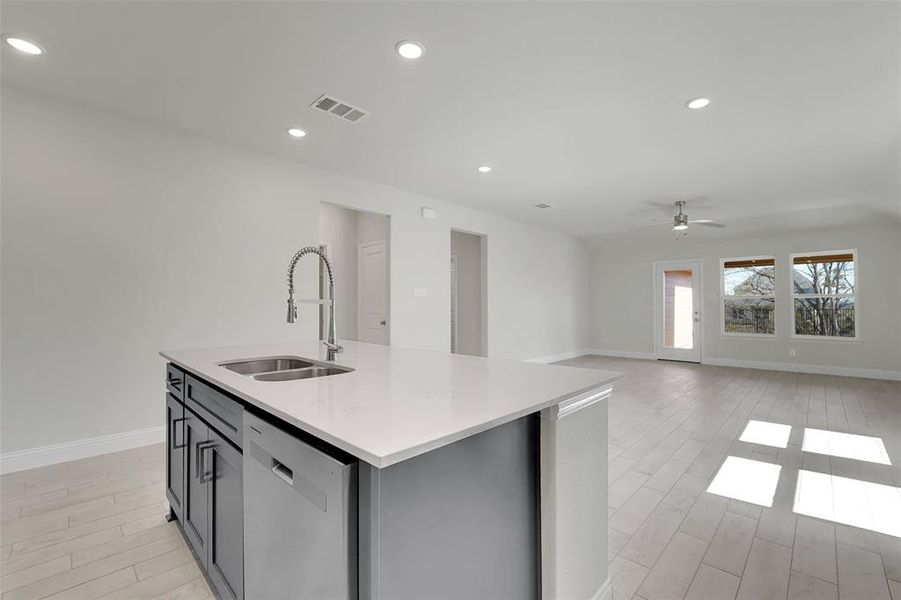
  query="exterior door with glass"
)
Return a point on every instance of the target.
[{"x": 677, "y": 310}]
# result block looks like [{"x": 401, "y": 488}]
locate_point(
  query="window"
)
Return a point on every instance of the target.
[
  {"x": 749, "y": 296},
  {"x": 823, "y": 291}
]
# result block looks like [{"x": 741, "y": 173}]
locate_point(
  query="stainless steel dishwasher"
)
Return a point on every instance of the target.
[{"x": 300, "y": 518}]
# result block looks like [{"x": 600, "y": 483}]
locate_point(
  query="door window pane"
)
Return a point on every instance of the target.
[{"x": 678, "y": 310}]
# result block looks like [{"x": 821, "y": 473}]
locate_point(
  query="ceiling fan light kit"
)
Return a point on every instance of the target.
[{"x": 681, "y": 221}]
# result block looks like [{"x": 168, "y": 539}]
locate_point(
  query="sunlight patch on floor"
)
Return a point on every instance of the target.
[
  {"x": 845, "y": 445},
  {"x": 852, "y": 502},
  {"x": 748, "y": 480},
  {"x": 767, "y": 434}
]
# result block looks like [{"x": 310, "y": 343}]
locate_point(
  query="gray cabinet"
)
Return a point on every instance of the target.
[
  {"x": 196, "y": 494},
  {"x": 221, "y": 412},
  {"x": 204, "y": 477},
  {"x": 225, "y": 528},
  {"x": 175, "y": 455}
]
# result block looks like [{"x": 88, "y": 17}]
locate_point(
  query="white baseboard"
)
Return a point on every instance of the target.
[
  {"x": 605, "y": 592},
  {"x": 799, "y": 368},
  {"x": 622, "y": 354},
  {"x": 30, "y": 458},
  {"x": 742, "y": 364},
  {"x": 562, "y": 356}
]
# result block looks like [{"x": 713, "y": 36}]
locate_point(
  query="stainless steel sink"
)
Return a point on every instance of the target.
[
  {"x": 307, "y": 373},
  {"x": 266, "y": 365},
  {"x": 284, "y": 368}
]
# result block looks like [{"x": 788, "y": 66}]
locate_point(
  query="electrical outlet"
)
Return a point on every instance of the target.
[{"x": 791, "y": 352}]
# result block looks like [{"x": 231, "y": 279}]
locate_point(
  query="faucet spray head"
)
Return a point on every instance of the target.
[{"x": 292, "y": 310}]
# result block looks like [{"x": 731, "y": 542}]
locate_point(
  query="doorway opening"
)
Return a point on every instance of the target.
[
  {"x": 468, "y": 301},
  {"x": 677, "y": 310},
  {"x": 358, "y": 243}
]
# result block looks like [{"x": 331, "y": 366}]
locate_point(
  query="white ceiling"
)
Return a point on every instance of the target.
[{"x": 577, "y": 104}]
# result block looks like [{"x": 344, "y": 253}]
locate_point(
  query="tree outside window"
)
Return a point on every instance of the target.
[
  {"x": 749, "y": 296},
  {"x": 823, "y": 290}
]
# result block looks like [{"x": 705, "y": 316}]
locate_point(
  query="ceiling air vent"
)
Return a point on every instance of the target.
[{"x": 339, "y": 108}]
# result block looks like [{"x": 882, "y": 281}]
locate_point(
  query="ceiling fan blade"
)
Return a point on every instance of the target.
[
  {"x": 655, "y": 207},
  {"x": 670, "y": 205},
  {"x": 706, "y": 223},
  {"x": 667, "y": 224}
]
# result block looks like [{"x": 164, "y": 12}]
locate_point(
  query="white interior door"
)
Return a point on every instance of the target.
[
  {"x": 372, "y": 294},
  {"x": 677, "y": 310},
  {"x": 453, "y": 302}
]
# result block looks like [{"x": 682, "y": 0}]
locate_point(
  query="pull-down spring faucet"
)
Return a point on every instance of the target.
[{"x": 331, "y": 343}]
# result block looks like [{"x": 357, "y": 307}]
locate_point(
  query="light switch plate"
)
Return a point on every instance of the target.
[
  {"x": 428, "y": 213},
  {"x": 420, "y": 292}
]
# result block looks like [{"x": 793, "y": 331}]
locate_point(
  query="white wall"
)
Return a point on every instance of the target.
[
  {"x": 621, "y": 297},
  {"x": 120, "y": 238},
  {"x": 345, "y": 230},
  {"x": 467, "y": 248},
  {"x": 338, "y": 228}
]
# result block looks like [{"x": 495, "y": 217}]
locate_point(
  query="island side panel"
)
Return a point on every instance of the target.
[
  {"x": 574, "y": 500},
  {"x": 461, "y": 521}
]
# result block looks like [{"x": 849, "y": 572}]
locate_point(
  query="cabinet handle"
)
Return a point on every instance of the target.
[
  {"x": 175, "y": 445},
  {"x": 283, "y": 472},
  {"x": 202, "y": 473}
]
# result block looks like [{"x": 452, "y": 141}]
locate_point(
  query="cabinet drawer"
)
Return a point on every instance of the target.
[
  {"x": 217, "y": 409},
  {"x": 175, "y": 382}
]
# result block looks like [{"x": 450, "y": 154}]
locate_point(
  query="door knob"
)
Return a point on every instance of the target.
[{"x": 382, "y": 323}]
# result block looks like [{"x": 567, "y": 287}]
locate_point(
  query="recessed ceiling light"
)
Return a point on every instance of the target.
[
  {"x": 483, "y": 169},
  {"x": 296, "y": 132},
  {"x": 23, "y": 45},
  {"x": 544, "y": 206},
  {"x": 697, "y": 103},
  {"x": 409, "y": 49}
]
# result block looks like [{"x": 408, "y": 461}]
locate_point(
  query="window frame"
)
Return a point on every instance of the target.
[
  {"x": 775, "y": 296},
  {"x": 856, "y": 295}
]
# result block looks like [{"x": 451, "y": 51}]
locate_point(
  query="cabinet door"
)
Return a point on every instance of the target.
[
  {"x": 226, "y": 518},
  {"x": 175, "y": 455},
  {"x": 196, "y": 492}
]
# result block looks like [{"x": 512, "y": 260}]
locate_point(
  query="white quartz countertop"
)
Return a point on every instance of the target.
[{"x": 398, "y": 402}]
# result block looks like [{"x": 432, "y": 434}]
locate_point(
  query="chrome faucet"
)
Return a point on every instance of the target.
[{"x": 331, "y": 343}]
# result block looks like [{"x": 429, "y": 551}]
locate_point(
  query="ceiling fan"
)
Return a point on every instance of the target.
[{"x": 681, "y": 221}]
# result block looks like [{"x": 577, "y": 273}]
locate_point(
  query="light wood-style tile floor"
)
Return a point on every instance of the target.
[
  {"x": 95, "y": 528},
  {"x": 671, "y": 427}
]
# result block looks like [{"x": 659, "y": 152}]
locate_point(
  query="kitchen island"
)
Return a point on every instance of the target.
[{"x": 390, "y": 473}]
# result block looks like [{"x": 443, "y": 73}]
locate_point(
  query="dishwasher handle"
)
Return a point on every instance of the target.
[
  {"x": 282, "y": 471},
  {"x": 301, "y": 478}
]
